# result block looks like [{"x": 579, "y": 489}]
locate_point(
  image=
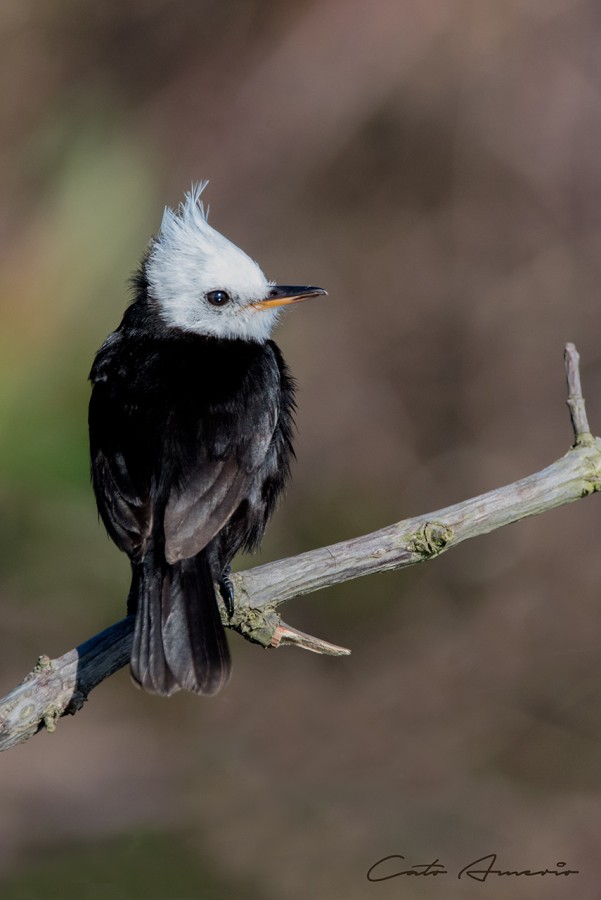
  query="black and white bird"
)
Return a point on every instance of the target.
[{"x": 191, "y": 440}]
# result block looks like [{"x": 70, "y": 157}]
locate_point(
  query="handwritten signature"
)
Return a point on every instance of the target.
[{"x": 481, "y": 869}]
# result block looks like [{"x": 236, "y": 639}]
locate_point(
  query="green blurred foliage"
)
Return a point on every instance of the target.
[
  {"x": 92, "y": 226},
  {"x": 139, "y": 866}
]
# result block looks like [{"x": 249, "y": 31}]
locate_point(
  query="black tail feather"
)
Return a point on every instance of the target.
[
  {"x": 148, "y": 664},
  {"x": 179, "y": 639}
]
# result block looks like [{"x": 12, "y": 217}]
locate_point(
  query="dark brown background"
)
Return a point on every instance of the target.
[{"x": 436, "y": 166}]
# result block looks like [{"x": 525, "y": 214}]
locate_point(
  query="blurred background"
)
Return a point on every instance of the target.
[{"x": 435, "y": 166}]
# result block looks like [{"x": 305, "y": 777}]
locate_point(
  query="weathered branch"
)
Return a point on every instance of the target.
[
  {"x": 58, "y": 687},
  {"x": 582, "y": 432}
]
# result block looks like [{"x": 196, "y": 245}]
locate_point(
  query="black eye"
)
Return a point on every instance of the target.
[{"x": 218, "y": 298}]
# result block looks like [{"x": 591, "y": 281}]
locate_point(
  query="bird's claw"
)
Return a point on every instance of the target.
[{"x": 226, "y": 589}]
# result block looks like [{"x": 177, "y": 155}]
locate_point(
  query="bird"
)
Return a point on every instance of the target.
[{"x": 191, "y": 440}]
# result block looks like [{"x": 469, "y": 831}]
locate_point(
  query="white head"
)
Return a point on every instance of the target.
[{"x": 205, "y": 284}]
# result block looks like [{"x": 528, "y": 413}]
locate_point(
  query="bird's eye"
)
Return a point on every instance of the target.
[{"x": 218, "y": 298}]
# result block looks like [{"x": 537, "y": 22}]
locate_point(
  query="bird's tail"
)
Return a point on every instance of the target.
[{"x": 179, "y": 639}]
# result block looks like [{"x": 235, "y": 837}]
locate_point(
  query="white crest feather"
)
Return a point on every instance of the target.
[{"x": 188, "y": 259}]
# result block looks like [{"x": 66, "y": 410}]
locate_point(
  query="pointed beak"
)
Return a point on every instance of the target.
[{"x": 283, "y": 294}]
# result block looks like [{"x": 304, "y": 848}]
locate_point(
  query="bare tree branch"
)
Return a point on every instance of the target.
[
  {"x": 575, "y": 401},
  {"x": 59, "y": 687}
]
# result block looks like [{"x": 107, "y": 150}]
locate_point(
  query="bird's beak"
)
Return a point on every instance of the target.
[{"x": 283, "y": 294}]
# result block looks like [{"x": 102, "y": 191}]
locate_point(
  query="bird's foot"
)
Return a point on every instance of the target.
[{"x": 226, "y": 589}]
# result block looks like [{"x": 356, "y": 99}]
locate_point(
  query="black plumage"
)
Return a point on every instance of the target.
[{"x": 191, "y": 441}]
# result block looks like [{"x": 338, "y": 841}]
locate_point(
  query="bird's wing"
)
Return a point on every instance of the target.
[
  {"x": 222, "y": 476},
  {"x": 124, "y": 502}
]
